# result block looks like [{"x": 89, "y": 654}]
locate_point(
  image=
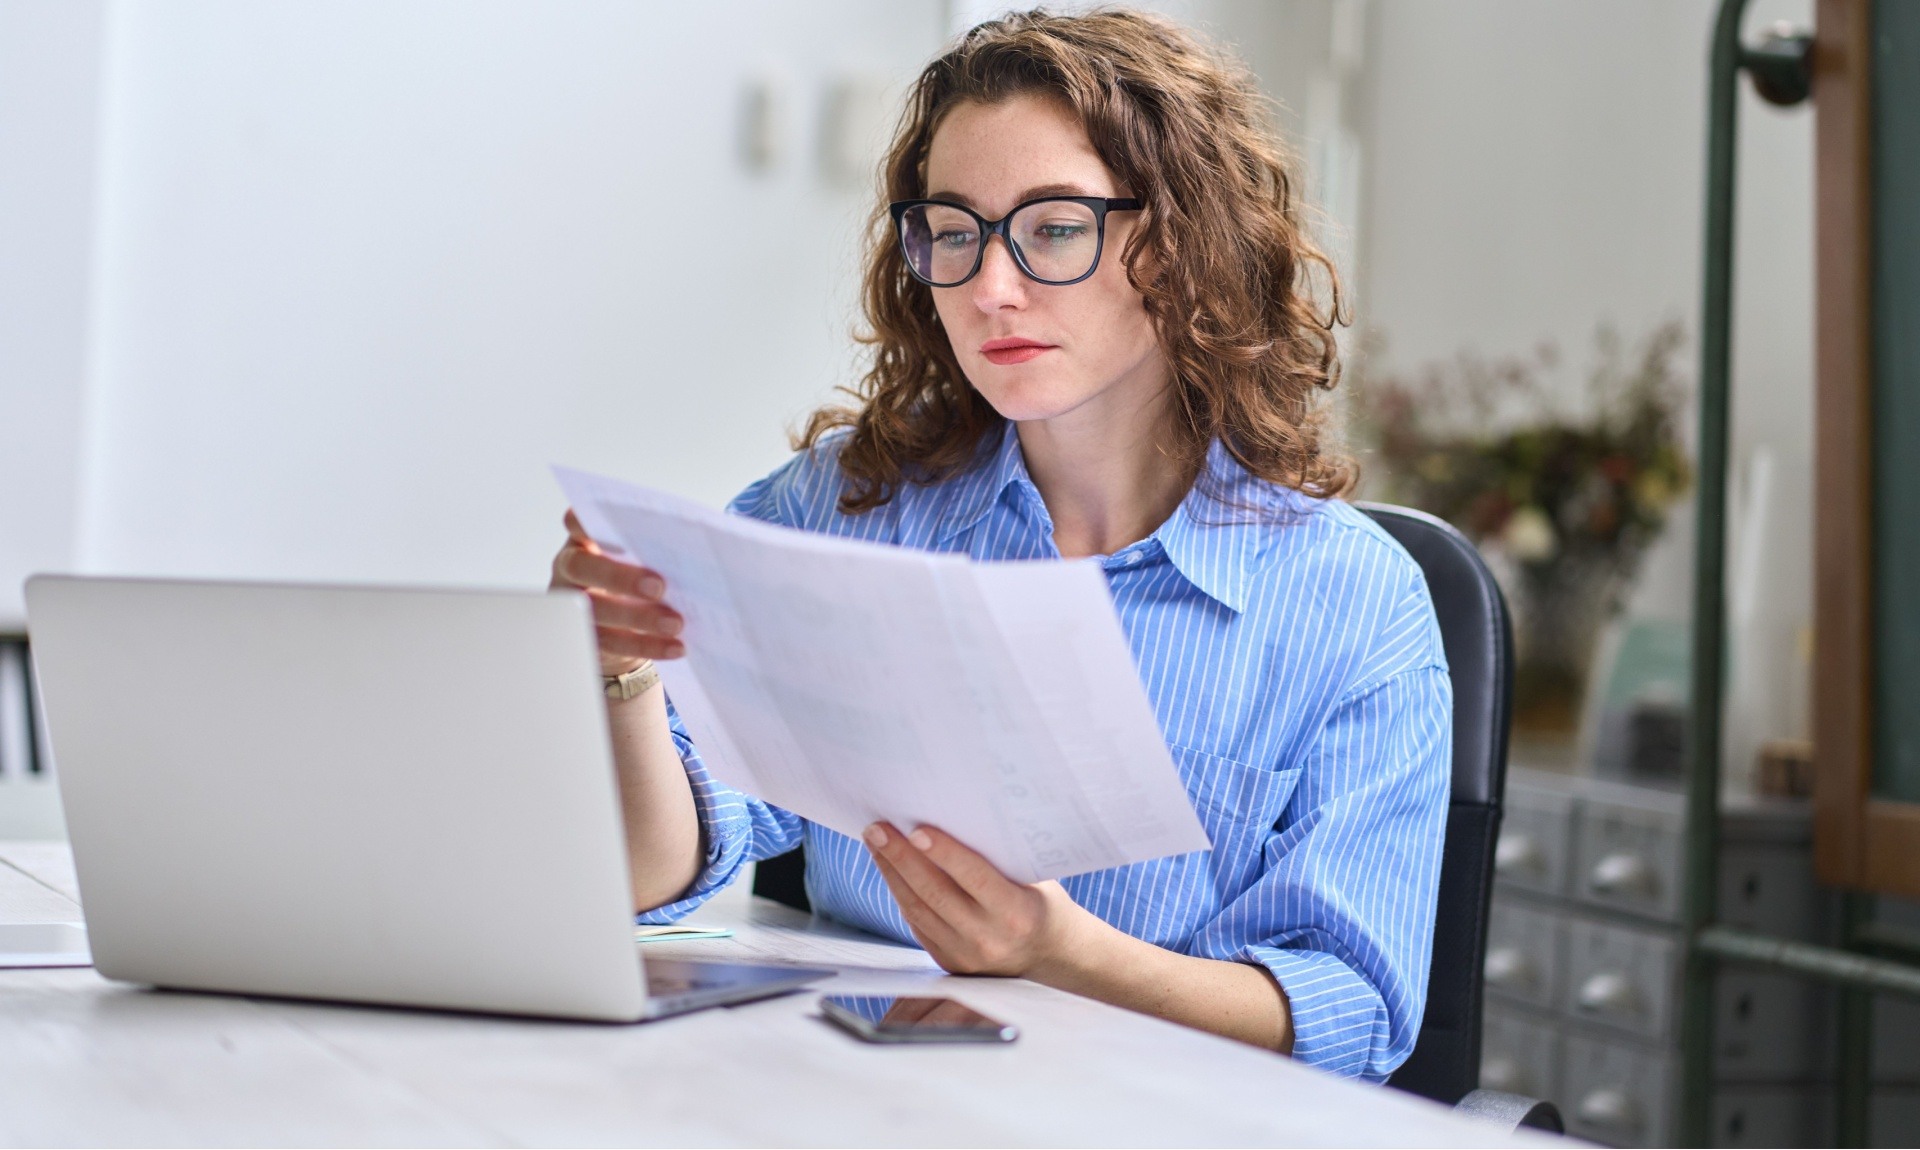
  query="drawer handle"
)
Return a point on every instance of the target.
[
  {"x": 1608, "y": 1107},
  {"x": 1608, "y": 993},
  {"x": 1624, "y": 873},
  {"x": 1518, "y": 852},
  {"x": 1507, "y": 966}
]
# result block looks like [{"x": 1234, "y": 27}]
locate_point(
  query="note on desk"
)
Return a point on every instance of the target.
[{"x": 851, "y": 682}]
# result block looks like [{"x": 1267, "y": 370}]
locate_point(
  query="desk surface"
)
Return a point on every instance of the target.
[{"x": 84, "y": 1060}]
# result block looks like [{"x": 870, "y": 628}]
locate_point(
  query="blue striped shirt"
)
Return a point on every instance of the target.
[{"x": 1294, "y": 661}]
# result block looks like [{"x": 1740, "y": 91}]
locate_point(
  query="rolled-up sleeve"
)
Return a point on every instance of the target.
[
  {"x": 1343, "y": 913},
  {"x": 735, "y": 828}
]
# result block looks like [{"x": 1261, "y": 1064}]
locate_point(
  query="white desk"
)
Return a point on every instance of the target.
[{"x": 84, "y": 1060}]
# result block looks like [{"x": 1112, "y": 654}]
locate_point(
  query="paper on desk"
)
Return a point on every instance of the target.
[{"x": 851, "y": 682}]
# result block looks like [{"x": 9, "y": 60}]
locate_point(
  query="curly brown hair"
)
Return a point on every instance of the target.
[{"x": 1222, "y": 258}]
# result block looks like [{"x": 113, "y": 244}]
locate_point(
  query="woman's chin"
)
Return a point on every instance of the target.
[{"x": 1025, "y": 401}]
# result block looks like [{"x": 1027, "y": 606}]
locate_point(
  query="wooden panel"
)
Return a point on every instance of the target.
[
  {"x": 1867, "y": 535},
  {"x": 1842, "y": 721},
  {"x": 1891, "y": 842}
]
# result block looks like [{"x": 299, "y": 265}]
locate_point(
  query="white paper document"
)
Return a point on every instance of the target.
[{"x": 851, "y": 682}]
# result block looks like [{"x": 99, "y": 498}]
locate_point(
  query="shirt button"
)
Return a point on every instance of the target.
[{"x": 1131, "y": 559}]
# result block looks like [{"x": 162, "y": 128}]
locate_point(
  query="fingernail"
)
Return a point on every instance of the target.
[
  {"x": 921, "y": 839},
  {"x": 876, "y": 836},
  {"x": 670, "y": 625},
  {"x": 651, "y": 588}
]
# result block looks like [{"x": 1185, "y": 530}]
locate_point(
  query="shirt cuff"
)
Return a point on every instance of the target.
[
  {"x": 726, "y": 827},
  {"x": 1339, "y": 1019}
]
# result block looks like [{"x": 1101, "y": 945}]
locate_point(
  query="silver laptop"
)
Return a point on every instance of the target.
[{"x": 369, "y": 795}]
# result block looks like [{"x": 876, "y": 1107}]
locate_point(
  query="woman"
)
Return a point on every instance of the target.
[{"x": 1094, "y": 335}]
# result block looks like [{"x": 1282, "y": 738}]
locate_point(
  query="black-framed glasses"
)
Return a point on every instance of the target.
[{"x": 1055, "y": 240}]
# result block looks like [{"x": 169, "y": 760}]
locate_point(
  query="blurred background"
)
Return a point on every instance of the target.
[{"x": 317, "y": 291}]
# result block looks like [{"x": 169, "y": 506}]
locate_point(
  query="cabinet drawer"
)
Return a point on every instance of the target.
[
  {"x": 1896, "y": 1040},
  {"x": 1763, "y": 1027},
  {"x": 1536, "y": 829},
  {"x": 1519, "y": 1054},
  {"x": 1616, "y": 1092},
  {"x": 1628, "y": 858},
  {"x": 1620, "y": 977},
  {"x": 1523, "y": 954},
  {"x": 1770, "y": 889},
  {"x": 1772, "y": 1115}
]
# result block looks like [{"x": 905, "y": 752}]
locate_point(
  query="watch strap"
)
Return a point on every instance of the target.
[{"x": 638, "y": 681}]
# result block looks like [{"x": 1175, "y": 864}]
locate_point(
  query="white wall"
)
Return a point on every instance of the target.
[
  {"x": 340, "y": 279},
  {"x": 49, "y": 84},
  {"x": 1536, "y": 169},
  {"x": 365, "y": 268}
]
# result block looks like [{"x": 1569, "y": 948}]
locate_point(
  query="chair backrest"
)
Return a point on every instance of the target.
[
  {"x": 1474, "y": 628},
  {"x": 1478, "y": 637}
]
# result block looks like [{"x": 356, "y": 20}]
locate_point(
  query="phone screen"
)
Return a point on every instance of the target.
[{"x": 890, "y": 1018}]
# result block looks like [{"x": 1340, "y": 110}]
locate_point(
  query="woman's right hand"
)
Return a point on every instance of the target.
[{"x": 630, "y": 614}]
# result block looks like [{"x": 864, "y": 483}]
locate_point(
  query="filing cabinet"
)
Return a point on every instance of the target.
[
  {"x": 1769, "y": 1116},
  {"x": 1767, "y": 1027},
  {"x": 1896, "y": 1044},
  {"x": 1519, "y": 1054},
  {"x": 1616, "y": 1092},
  {"x": 1621, "y": 978},
  {"x": 1585, "y": 958},
  {"x": 1523, "y": 954},
  {"x": 1627, "y": 855},
  {"x": 1535, "y": 829},
  {"x": 1769, "y": 890}
]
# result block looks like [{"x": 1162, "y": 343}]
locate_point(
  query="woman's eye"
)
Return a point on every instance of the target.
[
  {"x": 954, "y": 240},
  {"x": 1057, "y": 234}
]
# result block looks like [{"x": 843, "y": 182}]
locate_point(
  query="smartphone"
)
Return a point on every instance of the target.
[{"x": 887, "y": 1018}]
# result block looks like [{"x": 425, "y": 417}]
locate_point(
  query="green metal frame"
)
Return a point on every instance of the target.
[{"x": 1871, "y": 958}]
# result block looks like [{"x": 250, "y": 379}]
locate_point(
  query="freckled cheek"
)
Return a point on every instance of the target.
[
  {"x": 959, "y": 320},
  {"x": 1125, "y": 332}
]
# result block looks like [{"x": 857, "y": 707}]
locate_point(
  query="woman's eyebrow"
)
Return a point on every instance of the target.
[{"x": 1036, "y": 193}]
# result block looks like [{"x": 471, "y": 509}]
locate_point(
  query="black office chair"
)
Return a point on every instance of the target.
[{"x": 1478, "y": 637}]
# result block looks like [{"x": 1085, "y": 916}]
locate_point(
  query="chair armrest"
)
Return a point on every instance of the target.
[{"x": 1511, "y": 1111}]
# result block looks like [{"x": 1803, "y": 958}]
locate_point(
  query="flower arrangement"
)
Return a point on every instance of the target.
[{"x": 1564, "y": 505}]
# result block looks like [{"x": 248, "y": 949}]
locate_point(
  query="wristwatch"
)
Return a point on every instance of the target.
[{"x": 638, "y": 681}]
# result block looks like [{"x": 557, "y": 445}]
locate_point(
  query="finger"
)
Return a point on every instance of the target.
[
  {"x": 647, "y": 616},
  {"x": 578, "y": 533},
  {"x": 967, "y": 867},
  {"x": 626, "y": 644},
  {"x": 934, "y": 932},
  {"x": 587, "y": 569},
  {"x": 934, "y": 886}
]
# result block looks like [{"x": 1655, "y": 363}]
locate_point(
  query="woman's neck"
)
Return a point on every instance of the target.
[{"x": 1104, "y": 475}]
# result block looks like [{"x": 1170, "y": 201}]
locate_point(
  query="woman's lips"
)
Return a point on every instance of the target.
[{"x": 1007, "y": 352}]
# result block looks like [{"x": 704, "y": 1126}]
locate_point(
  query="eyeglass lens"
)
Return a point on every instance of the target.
[{"x": 1058, "y": 239}]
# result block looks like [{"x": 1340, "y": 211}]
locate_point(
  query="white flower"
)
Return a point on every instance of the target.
[{"x": 1529, "y": 536}]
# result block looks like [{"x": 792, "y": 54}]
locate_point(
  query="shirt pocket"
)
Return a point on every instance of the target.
[{"x": 1238, "y": 804}]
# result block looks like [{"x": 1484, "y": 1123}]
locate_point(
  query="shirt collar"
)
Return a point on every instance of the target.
[
  {"x": 1216, "y": 537},
  {"x": 975, "y": 491}
]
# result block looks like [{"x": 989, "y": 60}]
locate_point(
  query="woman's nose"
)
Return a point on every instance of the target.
[{"x": 999, "y": 283}]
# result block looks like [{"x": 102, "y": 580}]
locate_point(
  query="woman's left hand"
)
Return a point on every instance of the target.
[{"x": 971, "y": 918}]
